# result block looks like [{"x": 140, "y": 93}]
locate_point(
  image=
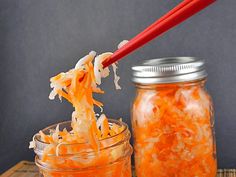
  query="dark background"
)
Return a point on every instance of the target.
[{"x": 38, "y": 39}]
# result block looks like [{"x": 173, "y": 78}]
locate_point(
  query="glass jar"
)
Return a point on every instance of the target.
[
  {"x": 111, "y": 160},
  {"x": 172, "y": 119}
]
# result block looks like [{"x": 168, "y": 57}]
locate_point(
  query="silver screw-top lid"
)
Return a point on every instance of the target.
[{"x": 169, "y": 70}]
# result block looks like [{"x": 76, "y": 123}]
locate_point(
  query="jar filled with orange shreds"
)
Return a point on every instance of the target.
[
  {"x": 172, "y": 119},
  {"x": 80, "y": 159}
]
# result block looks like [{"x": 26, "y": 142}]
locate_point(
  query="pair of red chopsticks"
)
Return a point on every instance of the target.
[{"x": 174, "y": 17}]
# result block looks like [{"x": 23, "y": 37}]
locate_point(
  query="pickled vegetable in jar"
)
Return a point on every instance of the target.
[
  {"x": 90, "y": 144},
  {"x": 172, "y": 119},
  {"x": 80, "y": 159}
]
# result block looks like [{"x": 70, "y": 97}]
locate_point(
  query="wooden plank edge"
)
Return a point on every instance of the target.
[{"x": 12, "y": 170}]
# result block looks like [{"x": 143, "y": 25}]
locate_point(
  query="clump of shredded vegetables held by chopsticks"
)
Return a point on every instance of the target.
[{"x": 77, "y": 86}]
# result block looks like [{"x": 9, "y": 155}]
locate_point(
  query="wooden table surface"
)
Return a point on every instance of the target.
[{"x": 29, "y": 169}]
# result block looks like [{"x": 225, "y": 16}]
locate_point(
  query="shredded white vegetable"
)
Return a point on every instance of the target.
[
  {"x": 122, "y": 43},
  {"x": 116, "y": 77}
]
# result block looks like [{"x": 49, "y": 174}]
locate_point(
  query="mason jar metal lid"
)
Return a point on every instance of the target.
[{"x": 169, "y": 70}]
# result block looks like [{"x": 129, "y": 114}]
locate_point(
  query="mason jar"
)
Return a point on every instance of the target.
[
  {"x": 76, "y": 160},
  {"x": 172, "y": 119}
]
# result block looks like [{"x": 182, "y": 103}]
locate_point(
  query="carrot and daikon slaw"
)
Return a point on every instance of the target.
[
  {"x": 78, "y": 86},
  {"x": 173, "y": 131}
]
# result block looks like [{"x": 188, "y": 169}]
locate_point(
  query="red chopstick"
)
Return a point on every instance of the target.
[
  {"x": 171, "y": 12},
  {"x": 177, "y": 15}
]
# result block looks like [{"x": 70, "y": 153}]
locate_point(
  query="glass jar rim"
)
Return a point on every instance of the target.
[
  {"x": 40, "y": 145},
  {"x": 185, "y": 83}
]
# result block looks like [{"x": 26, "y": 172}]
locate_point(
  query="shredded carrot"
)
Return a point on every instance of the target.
[
  {"x": 173, "y": 132},
  {"x": 78, "y": 86}
]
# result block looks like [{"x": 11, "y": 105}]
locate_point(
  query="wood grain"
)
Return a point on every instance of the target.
[{"x": 29, "y": 169}]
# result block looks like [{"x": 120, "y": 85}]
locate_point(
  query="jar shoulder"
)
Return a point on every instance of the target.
[{"x": 178, "y": 101}]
